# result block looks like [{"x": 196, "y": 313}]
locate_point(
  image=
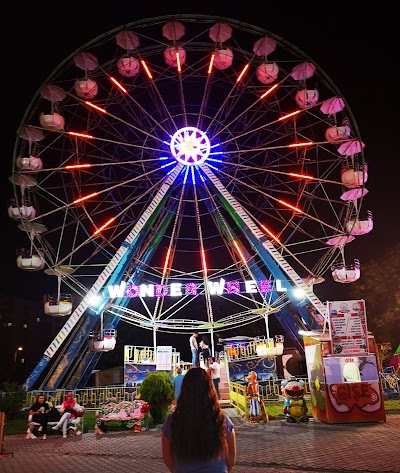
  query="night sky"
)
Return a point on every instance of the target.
[{"x": 356, "y": 49}]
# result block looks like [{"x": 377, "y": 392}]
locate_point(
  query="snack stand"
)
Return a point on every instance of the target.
[{"x": 342, "y": 367}]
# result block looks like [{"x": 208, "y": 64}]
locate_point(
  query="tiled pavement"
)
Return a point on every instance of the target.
[{"x": 276, "y": 446}]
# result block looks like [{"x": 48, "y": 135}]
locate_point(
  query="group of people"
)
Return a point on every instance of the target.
[
  {"x": 204, "y": 348},
  {"x": 196, "y": 436},
  {"x": 40, "y": 414}
]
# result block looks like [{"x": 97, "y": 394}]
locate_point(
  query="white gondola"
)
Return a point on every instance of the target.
[
  {"x": 104, "y": 340},
  {"x": 267, "y": 73},
  {"x": 58, "y": 306},
  {"x": 346, "y": 273},
  {"x": 271, "y": 347},
  {"x": 24, "y": 212},
  {"x": 29, "y": 163},
  {"x": 223, "y": 58},
  {"x": 53, "y": 121},
  {"x": 337, "y": 133},
  {"x": 34, "y": 262},
  {"x": 128, "y": 66},
  {"x": 355, "y": 226},
  {"x": 174, "y": 56},
  {"x": 86, "y": 89},
  {"x": 352, "y": 177},
  {"x": 307, "y": 97}
]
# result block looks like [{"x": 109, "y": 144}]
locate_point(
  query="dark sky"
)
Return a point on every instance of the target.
[{"x": 356, "y": 49}]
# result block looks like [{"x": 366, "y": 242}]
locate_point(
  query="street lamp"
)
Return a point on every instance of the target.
[{"x": 16, "y": 354}]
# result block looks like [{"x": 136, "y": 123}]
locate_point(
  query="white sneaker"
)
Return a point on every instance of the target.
[
  {"x": 55, "y": 427},
  {"x": 33, "y": 436},
  {"x": 44, "y": 437}
]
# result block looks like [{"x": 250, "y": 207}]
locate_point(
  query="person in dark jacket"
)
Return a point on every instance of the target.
[{"x": 39, "y": 417}]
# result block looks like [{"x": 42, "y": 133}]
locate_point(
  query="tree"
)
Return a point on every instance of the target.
[
  {"x": 158, "y": 390},
  {"x": 11, "y": 400},
  {"x": 379, "y": 286}
]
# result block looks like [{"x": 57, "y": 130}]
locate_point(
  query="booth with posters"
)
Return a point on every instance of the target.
[{"x": 342, "y": 367}]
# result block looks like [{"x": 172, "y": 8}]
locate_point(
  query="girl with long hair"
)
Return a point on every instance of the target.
[{"x": 198, "y": 436}]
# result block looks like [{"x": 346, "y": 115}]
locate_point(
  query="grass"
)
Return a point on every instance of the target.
[{"x": 19, "y": 424}]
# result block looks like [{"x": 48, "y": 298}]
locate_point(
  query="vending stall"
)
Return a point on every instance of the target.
[{"x": 342, "y": 367}]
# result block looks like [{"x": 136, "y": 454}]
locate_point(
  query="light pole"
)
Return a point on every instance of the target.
[{"x": 16, "y": 354}]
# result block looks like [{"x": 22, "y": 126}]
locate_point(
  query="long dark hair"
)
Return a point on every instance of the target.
[{"x": 198, "y": 424}]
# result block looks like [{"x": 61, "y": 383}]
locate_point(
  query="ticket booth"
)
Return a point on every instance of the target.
[{"x": 343, "y": 369}]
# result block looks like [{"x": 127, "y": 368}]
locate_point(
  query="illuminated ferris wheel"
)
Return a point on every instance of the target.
[{"x": 201, "y": 169}]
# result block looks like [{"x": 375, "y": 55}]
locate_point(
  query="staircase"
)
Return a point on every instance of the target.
[{"x": 224, "y": 385}]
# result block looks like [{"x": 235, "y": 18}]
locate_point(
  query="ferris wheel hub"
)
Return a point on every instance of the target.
[{"x": 190, "y": 146}]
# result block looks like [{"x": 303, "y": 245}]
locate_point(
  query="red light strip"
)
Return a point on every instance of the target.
[
  {"x": 203, "y": 259},
  {"x": 80, "y": 135},
  {"x": 240, "y": 252},
  {"x": 78, "y": 166},
  {"x": 166, "y": 261},
  {"x": 146, "y": 69},
  {"x": 178, "y": 61},
  {"x": 290, "y": 206},
  {"x": 289, "y": 115},
  {"x": 269, "y": 91},
  {"x": 270, "y": 233},
  {"x": 104, "y": 226},
  {"x": 90, "y": 104},
  {"x": 211, "y": 64},
  {"x": 85, "y": 198},
  {"x": 298, "y": 145},
  {"x": 120, "y": 87},
  {"x": 242, "y": 73},
  {"x": 303, "y": 176}
]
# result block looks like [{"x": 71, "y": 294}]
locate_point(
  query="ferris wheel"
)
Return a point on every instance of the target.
[{"x": 193, "y": 172}]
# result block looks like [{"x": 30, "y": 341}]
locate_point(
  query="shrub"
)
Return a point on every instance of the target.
[
  {"x": 11, "y": 400},
  {"x": 158, "y": 390}
]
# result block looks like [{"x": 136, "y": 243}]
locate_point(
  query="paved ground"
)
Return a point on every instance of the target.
[{"x": 274, "y": 447}]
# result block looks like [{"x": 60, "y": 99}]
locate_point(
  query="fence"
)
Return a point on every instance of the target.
[{"x": 89, "y": 398}]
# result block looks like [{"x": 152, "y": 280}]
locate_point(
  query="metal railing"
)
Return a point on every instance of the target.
[
  {"x": 260, "y": 346},
  {"x": 89, "y": 398}
]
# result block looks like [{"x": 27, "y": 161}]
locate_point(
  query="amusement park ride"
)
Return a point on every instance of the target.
[{"x": 194, "y": 166}]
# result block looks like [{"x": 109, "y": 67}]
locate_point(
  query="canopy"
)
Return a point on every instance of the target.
[
  {"x": 31, "y": 133},
  {"x": 264, "y": 46},
  {"x": 53, "y": 93},
  {"x": 332, "y": 106},
  {"x": 127, "y": 40},
  {"x": 173, "y": 30},
  {"x": 303, "y": 71},
  {"x": 220, "y": 32},
  {"x": 86, "y": 61}
]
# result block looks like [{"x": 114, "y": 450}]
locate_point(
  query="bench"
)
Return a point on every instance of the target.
[
  {"x": 74, "y": 427},
  {"x": 130, "y": 414}
]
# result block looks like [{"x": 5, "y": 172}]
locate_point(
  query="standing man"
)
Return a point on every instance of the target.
[
  {"x": 215, "y": 369},
  {"x": 219, "y": 349},
  {"x": 194, "y": 348}
]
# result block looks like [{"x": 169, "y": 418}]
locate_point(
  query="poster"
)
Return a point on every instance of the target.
[
  {"x": 164, "y": 358},
  {"x": 348, "y": 327}
]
